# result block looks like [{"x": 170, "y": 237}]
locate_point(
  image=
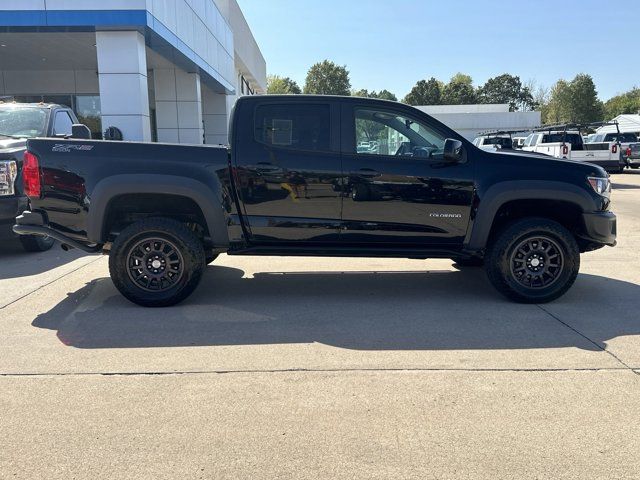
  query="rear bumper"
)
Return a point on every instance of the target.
[
  {"x": 635, "y": 161},
  {"x": 612, "y": 165},
  {"x": 601, "y": 227},
  {"x": 34, "y": 223}
]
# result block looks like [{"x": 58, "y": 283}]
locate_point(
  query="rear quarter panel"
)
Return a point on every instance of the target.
[{"x": 80, "y": 176}]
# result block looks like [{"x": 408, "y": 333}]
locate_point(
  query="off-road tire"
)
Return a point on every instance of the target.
[
  {"x": 211, "y": 257},
  {"x": 36, "y": 243},
  {"x": 501, "y": 260},
  {"x": 123, "y": 261}
]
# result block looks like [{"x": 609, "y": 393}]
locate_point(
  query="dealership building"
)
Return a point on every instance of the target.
[{"x": 157, "y": 70}]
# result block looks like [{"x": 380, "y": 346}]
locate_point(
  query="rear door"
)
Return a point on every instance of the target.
[
  {"x": 288, "y": 169},
  {"x": 401, "y": 190}
]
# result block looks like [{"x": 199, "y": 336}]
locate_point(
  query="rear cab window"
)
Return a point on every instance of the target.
[{"x": 295, "y": 127}]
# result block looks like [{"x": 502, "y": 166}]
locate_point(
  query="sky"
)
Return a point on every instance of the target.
[{"x": 391, "y": 44}]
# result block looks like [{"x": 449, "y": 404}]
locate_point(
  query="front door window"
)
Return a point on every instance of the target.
[{"x": 386, "y": 133}]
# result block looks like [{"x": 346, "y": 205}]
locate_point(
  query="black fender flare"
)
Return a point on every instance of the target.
[
  {"x": 208, "y": 198},
  {"x": 500, "y": 193}
]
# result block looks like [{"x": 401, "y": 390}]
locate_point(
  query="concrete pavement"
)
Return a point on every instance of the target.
[{"x": 322, "y": 368}]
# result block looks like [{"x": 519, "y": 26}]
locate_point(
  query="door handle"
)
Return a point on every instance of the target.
[{"x": 366, "y": 172}]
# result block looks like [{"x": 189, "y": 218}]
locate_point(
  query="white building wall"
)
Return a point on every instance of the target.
[
  {"x": 201, "y": 26},
  {"x": 124, "y": 90},
  {"x": 215, "y": 30},
  {"x": 178, "y": 100}
]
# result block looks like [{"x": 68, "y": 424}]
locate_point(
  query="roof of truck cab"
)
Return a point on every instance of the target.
[{"x": 306, "y": 98}]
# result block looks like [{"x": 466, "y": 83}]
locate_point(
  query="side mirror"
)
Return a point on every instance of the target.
[
  {"x": 80, "y": 131},
  {"x": 453, "y": 151}
]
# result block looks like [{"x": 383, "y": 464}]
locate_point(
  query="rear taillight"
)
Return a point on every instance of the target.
[
  {"x": 565, "y": 150},
  {"x": 31, "y": 175},
  {"x": 614, "y": 149},
  {"x": 628, "y": 152}
]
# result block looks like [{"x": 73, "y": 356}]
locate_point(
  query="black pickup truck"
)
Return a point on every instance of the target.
[
  {"x": 19, "y": 122},
  {"x": 295, "y": 181}
]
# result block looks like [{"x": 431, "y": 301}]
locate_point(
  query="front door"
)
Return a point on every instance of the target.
[
  {"x": 288, "y": 171},
  {"x": 398, "y": 187}
]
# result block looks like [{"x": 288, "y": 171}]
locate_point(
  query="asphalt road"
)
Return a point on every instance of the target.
[{"x": 322, "y": 368}]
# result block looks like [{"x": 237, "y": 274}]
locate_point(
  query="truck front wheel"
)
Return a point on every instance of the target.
[
  {"x": 534, "y": 260},
  {"x": 156, "y": 262}
]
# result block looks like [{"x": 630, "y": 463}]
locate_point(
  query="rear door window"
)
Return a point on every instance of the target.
[{"x": 295, "y": 127}]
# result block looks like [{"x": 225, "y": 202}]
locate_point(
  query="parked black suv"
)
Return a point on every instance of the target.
[{"x": 294, "y": 182}]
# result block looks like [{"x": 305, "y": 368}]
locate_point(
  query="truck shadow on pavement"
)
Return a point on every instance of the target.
[
  {"x": 352, "y": 310},
  {"x": 15, "y": 262}
]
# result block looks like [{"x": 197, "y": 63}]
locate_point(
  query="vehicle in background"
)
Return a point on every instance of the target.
[
  {"x": 506, "y": 139},
  {"x": 518, "y": 142},
  {"x": 164, "y": 211},
  {"x": 566, "y": 142},
  {"x": 18, "y": 123},
  {"x": 624, "y": 139},
  {"x": 496, "y": 141},
  {"x": 633, "y": 155}
]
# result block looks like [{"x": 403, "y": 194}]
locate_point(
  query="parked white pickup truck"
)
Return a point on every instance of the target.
[
  {"x": 625, "y": 139},
  {"x": 570, "y": 145}
]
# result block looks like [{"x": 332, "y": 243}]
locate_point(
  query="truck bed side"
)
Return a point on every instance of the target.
[{"x": 91, "y": 189}]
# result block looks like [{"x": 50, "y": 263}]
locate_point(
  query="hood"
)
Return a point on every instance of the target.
[{"x": 529, "y": 158}]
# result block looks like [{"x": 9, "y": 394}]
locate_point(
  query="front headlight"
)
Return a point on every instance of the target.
[
  {"x": 8, "y": 174},
  {"x": 602, "y": 186}
]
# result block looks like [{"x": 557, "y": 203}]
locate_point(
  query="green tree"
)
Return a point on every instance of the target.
[
  {"x": 386, "y": 95},
  {"x": 327, "y": 78},
  {"x": 585, "y": 105},
  {"x": 575, "y": 101},
  {"x": 558, "y": 108},
  {"x": 459, "y": 91},
  {"x": 382, "y": 94},
  {"x": 282, "y": 86},
  {"x": 425, "y": 92},
  {"x": 628, "y": 102},
  {"x": 506, "y": 88}
]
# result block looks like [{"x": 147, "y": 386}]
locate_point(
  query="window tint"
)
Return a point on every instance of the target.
[
  {"x": 622, "y": 137},
  {"x": 387, "y": 133},
  {"x": 573, "y": 138},
  {"x": 63, "y": 123},
  {"x": 504, "y": 142},
  {"x": 528, "y": 140},
  {"x": 298, "y": 127}
]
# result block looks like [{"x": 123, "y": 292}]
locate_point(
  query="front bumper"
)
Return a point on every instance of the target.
[
  {"x": 35, "y": 223},
  {"x": 600, "y": 227}
]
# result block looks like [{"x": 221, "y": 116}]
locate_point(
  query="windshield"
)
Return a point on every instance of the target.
[
  {"x": 621, "y": 137},
  {"x": 504, "y": 142},
  {"x": 22, "y": 122},
  {"x": 573, "y": 138}
]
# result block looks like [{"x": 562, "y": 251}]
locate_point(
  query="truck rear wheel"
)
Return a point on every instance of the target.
[
  {"x": 534, "y": 260},
  {"x": 156, "y": 262}
]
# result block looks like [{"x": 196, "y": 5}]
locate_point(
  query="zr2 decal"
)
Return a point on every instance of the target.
[{"x": 67, "y": 147}]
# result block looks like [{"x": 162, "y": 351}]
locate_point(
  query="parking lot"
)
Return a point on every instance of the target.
[{"x": 322, "y": 367}]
